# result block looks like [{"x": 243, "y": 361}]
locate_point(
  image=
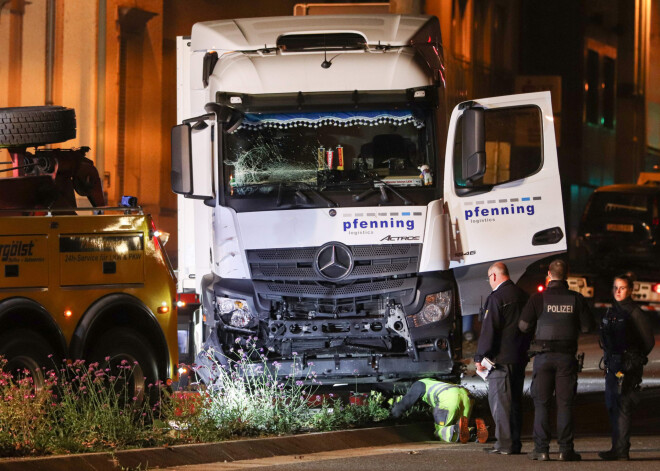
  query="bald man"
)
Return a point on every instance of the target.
[{"x": 504, "y": 344}]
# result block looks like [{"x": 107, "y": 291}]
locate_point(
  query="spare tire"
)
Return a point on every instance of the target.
[{"x": 29, "y": 126}]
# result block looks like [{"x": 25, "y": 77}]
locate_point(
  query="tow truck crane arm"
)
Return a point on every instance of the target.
[{"x": 49, "y": 179}]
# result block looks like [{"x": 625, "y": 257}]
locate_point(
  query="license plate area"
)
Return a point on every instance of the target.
[{"x": 620, "y": 228}]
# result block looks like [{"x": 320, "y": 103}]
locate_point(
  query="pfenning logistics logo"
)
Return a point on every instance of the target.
[
  {"x": 373, "y": 223},
  {"x": 488, "y": 211},
  {"x": 390, "y": 223}
]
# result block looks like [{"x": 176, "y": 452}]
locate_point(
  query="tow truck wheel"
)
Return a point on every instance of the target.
[
  {"x": 26, "y": 353},
  {"x": 29, "y": 126},
  {"x": 130, "y": 357}
]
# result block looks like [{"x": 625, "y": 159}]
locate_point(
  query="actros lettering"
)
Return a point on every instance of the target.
[
  {"x": 17, "y": 248},
  {"x": 390, "y": 223},
  {"x": 397, "y": 238}
]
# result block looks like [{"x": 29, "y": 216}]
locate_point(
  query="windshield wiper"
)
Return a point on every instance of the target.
[
  {"x": 297, "y": 186},
  {"x": 383, "y": 194}
]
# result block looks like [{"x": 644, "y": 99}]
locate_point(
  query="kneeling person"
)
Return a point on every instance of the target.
[{"x": 452, "y": 406}]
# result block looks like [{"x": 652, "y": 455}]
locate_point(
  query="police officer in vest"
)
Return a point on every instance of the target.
[
  {"x": 556, "y": 316},
  {"x": 626, "y": 335},
  {"x": 452, "y": 406}
]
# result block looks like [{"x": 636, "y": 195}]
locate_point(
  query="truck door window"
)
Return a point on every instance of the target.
[{"x": 514, "y": 146}]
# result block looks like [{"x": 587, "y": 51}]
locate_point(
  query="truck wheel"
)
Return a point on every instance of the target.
[
  {"x": 26, "y": 353},
  {"x": 29, "y": 126},
  {"x": 130, "y": 356}
]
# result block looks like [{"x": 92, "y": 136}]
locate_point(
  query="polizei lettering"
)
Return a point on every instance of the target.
[
  {"x": 479, "y": 212},
  {"x": 567, "y": 308},
  {"x": 390, "y": 223},
  {"x": 17, "y": 248}
]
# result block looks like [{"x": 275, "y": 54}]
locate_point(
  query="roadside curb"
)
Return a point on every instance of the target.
[{"x": 180, "y": 455}]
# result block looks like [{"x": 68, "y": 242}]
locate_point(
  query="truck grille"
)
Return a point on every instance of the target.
[{"x": 288, "y": 275}]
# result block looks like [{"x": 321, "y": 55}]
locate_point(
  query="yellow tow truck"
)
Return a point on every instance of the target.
[{"x": 77, "y": 283}]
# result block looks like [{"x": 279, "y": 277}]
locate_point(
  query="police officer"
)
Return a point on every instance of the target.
[
  {"x": 501, "y": 342},
  {"x": 556, "y": 316},
  {"x": 626, "y": 336},
  {"x": 452, "y": 406}
]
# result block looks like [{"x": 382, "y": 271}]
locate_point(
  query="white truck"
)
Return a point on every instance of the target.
[{"x": 331, "y": 209}]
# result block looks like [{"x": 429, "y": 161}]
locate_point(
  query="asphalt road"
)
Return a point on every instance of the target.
[
  {"x": 591, "y": 428},
  {"x": 435, "y": 456}
]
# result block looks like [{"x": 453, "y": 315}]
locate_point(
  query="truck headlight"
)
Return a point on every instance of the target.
[
  {"x": 437, "y": 307},
  {"x": 234, "y": 312}
]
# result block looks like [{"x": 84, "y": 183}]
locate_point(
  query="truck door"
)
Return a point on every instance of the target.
[{"x": 502, "y": 189}]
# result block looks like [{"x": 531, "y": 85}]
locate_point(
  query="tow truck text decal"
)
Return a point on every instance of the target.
[{"x": 16, "y": 248}]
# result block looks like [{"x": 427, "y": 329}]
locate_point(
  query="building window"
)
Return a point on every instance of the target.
[
  {"x": 600, "y": 84},
  {"x": 608, "y": 92},
  {"x": 592, "y": 88}
]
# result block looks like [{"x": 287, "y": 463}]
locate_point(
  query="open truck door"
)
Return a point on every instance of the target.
[{"x": 502, "y": 189}]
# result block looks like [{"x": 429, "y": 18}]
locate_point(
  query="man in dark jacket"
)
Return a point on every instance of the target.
[
  {"x": 557, "y": 316},
  {"x": 626, "y": 336},
  {"x": 503, "y": 344}
]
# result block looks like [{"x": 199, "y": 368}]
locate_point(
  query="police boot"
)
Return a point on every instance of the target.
[
  {"x": 538, "y": 455},
  {"x": 569, "y": 455},
  {"x": 613, "y": 455}
]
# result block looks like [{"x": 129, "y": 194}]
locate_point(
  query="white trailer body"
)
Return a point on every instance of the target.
[{"x": 330, "y": 212}]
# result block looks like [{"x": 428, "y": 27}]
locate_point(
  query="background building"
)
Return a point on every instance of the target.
[{"x": 114, "y": 62}]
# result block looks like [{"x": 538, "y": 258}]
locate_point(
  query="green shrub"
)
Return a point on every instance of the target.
[{"x": 84, "y": 408}]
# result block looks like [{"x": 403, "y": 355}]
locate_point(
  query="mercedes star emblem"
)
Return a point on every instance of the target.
[{"x": 334, "y": 261}]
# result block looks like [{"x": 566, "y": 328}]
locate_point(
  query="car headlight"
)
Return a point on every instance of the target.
[
  {"x": 234, "y": 312},
  {"x": 437, "y": 307}
]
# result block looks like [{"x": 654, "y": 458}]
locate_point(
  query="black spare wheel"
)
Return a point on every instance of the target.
[{"x": 29, "y": 126}]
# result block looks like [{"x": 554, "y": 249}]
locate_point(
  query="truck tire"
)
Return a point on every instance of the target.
[
  {"x": 123, "y": 347},
  {"x": 29, "y": 126},
  {"x": 28, "y": 351}
]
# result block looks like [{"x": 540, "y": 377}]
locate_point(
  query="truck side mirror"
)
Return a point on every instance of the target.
[
  {"x": 181, "y": 174},
  {"x": 473, "y": 146}
]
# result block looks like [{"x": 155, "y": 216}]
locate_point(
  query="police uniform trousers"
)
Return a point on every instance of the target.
[
  {"x": 554, "y": 372},
  {"x": 505, "y": 389},
  {"x": 620, "y": 402}
]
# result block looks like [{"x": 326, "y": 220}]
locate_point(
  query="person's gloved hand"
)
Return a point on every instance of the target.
[{"x": 394, "y": 411}]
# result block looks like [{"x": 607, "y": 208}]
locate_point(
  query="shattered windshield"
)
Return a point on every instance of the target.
[{"x": 327, "y": 151}]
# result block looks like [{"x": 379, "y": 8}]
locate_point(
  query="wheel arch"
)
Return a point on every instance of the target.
[
  {"x": 25, "y": 313},
  {"x": 120, "y": 310}
]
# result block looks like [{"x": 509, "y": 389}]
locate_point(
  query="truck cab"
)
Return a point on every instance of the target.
[{"x": 333, "y": 209}]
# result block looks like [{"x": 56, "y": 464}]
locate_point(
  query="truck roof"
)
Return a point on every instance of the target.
[{"x": 251, "y": 34}]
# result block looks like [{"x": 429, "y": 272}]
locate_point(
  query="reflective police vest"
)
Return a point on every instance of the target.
[{"x": 557, "y": 321}]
